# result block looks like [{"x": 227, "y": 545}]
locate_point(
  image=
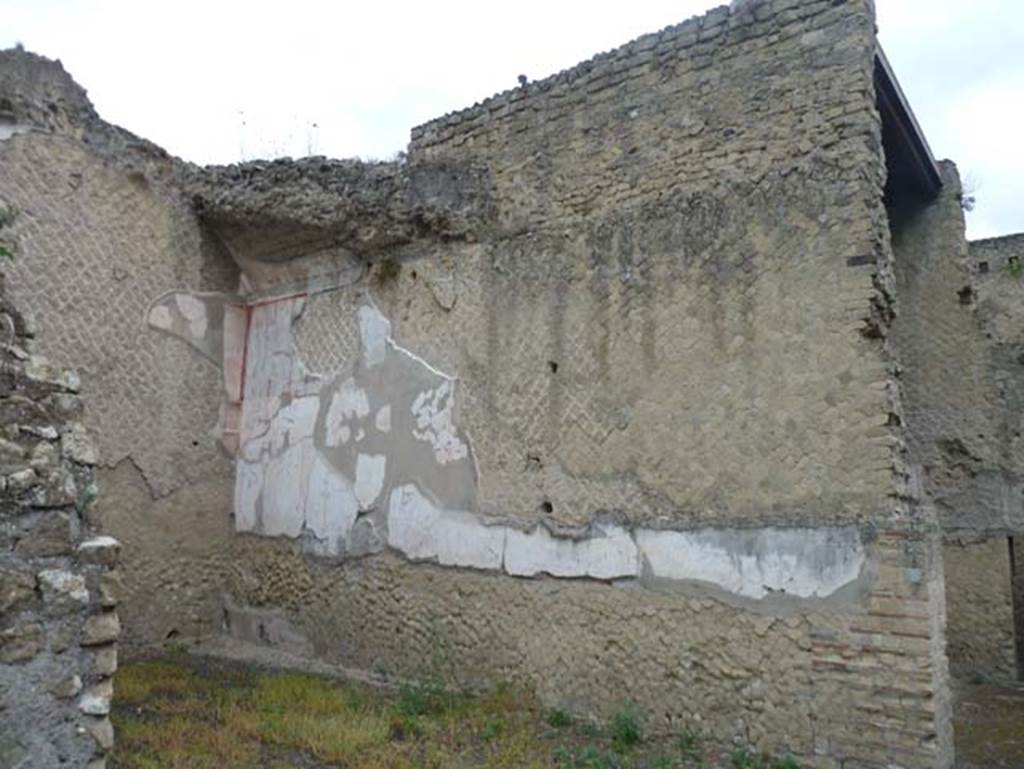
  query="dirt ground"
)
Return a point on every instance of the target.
[
  {"x": 989, "y": 726},
  {"x": 189, "y": 712}
]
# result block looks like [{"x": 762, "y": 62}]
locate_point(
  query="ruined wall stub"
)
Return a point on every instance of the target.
[{"x": 59, "y": 587}]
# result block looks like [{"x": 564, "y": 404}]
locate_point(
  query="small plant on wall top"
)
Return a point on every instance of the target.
[{"x": 1015, "y": 266}]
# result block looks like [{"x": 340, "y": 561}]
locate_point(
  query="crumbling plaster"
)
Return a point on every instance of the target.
[{"x": 374, "y": 458}]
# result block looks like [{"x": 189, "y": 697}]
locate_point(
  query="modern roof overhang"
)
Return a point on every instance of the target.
[{"x": 912, "y": 171}]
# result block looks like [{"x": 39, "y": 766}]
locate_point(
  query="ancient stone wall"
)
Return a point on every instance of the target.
[
  {"x": 962, "y": 375},
  {"x": 960, "y": 351},
  {"x": 101, "y": 229},
  {"x": 58, "y": 585},
  {"x": 997, "y": 279},
  {"x": 600, "y": 397},
  {"x": 643, "y": 418},
  {"x": 997, "y": 268}
]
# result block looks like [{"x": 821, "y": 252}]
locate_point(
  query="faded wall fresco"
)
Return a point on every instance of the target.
[{"x": 373, "y": 458}]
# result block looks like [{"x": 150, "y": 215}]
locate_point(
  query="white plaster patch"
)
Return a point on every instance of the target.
[
  {"x": 331, "y": 507},
  {"x": 270, "y": 367},
  {"x": 284, "y": 492},
  {"x": 369, "y": 478},
  {"x": 294, "y": 423},
  {"x": 452, "y": 538},
  {"x": 375, "y": 332},
  {"x": 349, "y": 402},
  {"x": 808, "y": 563},
  {"x": 7, "y": 130},
  {"x": 383, "y": 419},
  {"x": 433, "y": 412},
  {"x": 160, "y": 317},
  {"x": 248, "y": 484},
  {"x": 194, "y": 312},
  {"x": 609, "y": 553}
]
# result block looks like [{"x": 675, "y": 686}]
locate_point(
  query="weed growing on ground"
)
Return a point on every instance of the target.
[
  {"x": 743, "y": 758},
  {"x": 183, "y": 712},
  {"x": 176, "y": 648},
  {"x": 558, "y": 718},
  {"x": 625, "y": 729},
  {"x": 787, "y": 763},
  {"x": 690, "y": 751}
]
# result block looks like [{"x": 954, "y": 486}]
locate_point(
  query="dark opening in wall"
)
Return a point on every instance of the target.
[
  {"x": 912, "y": 176},
  {"x": 1017, "y": 591}
]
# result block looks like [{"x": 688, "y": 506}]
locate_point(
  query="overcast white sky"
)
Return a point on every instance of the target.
[{"x": 216, "y": 81}]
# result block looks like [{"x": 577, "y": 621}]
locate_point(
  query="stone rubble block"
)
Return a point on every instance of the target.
[
  {"x": 50, "y": 534},
  {"x": 16, "y": 587},
  {"x": 22, "y": 480},
  {"x": 95, "y": 701},
  {"x": 101, "y": 629},
  {"x": 58, "y": 489},
  {"x": 111, "y": 589},
  {"x": 104, "y": 661},
  {"x": 102, "y": 551},
  {"x": 11, "y": 453},
  {"x": 77, "y": 446},
  {"x": 21, "y": 643},
  {"x": 16, "y": 352},
  {"x": 59, "y": 586},
  {"x": 101, "y": 730},
  {"x": 66, "y": 687},
  {"x": 46, "y": 432},
  {"x": 39, "y": 370},
  {"x": 44, "y": 457},
  {"x": 63, "y": 635},
  {"x": 20, "y": 410},
  {"x": 65, "y": 406}
]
